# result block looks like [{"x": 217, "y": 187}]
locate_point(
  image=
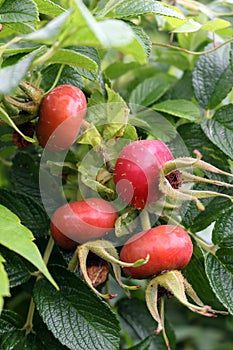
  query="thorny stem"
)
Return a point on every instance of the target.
[
  {"x": 193, "y": 52},
  {"x": 28, "y": 327}
]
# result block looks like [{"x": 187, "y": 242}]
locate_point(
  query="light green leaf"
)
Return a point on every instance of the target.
[
  {"x": 216, "y": 24},
  {"x": 49, "y": 7},
  {"x": 11, "y": 76},
  {"x": 4, "y": 116},
  {"x": 134, "y": 8},
  {"x": 18, "y": 238},
  {"x": 149, "y": 91},
  {"x": 188, "y": 27},
  {"x": 4, "y": 285},
  {"x": 18, "y": 11},
  {"x": 219, "y": 129},
  {"x": 179, "y": 108},
  {"x": 73, "y": 58}
]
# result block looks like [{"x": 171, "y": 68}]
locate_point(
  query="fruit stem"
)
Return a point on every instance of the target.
[
  {"x": 74, "y": 261},
  {"x": 162, "y": 316},
  {"x": 145, "y": 220},
  {"x": 56, "y": 80},
  {"x": 28, "y": 327}
]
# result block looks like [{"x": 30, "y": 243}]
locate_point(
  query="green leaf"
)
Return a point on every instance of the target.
[
  {"x": 111, "y": 33},
  {"x": 225, "y": 256},
  {"x": 18, "y": 269},
  {"x": 30, "y": 212},
  {"x": 9, "y": 321},
  {"x": 142, "y": 345},
  {"x": 143, "y": 326},
  {"x": 154, "y": 124},
  {"x": 25, "y": 175},
  {"x": 19, "y": 340},
  {"x": 49, "y": 7},
  {"x": 221, "y": 281},
  {"x": 196, "y": 276},
  {"x": 73, "y": 58},
  {"x": 78, "y": 308},
  {"x": 18, "y": 11},
  {"x": 194, "y": 138},
  {"x": 222, "y": 234},
  {"x": 196, "y": 220},
  {"x": 50, "y": 31},
  {"x": 219, "y": 129},
  {"x": 179, "y": 108},
  {"x": 89, "y": 169},
  {"x": 11, "y": 76},
  {"x": 18, "y": 238},
  {"x": 149, "y": 91},
  {"x": 212, "y": 77},
  {"x": 189, "y": 26},
  {"x": 4, "y": 286},
  {"x": 69, "y": 75},
  {"x": 216, "y": 24},
  {"x": 117, "y": 69},
  {"x": 134, "y": 8}
]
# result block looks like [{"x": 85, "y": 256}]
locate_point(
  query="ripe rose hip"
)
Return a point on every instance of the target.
[
  {"x": 169, "y": 248},
  {"x": 60, "y": 117},
  {"x": 84, "y": 220},
  {"x": 136, "y": 173}
]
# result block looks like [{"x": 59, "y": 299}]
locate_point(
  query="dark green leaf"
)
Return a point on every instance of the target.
[
  {"x": 143, "y": 345},
  {"x": 18, "y": 11},
  {"x": 11, "y": 76},
  {"x": 17, "y": 268},
  {"x": 134, "y": 8},
  {"x": 222, "y": 233},
  {"x": 73, "y": 314},
  {"x": 46, "y": 337},
  {"x": 221, "y": 281},
  {"x": 69, "y": 75},
  {"x": 194, "y": 138},
  {"x": 9, "y": 321},
  {"x": 196, "y": 275},
  {"x": 18, "y": 340},
  {"x": 225, "y": 256},
  {"x": 212, "y": 77},
  {"x": 25, "y": 175},
  {"x": 30, "y": 212},
  {"x": 196, "y": 220},
  {"x": 219, "y": 129},
  {"x": 136, "y": 315}
]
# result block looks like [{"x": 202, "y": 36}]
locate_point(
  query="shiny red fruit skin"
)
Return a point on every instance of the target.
[
  {"x": 137, "y": 169},
  {"x": 84, "y": 220},
  {"x": 169, "y": 247},
  {"x": 60, "y": 117}
]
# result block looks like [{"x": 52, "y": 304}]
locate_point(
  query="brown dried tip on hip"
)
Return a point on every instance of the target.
[
  {"x": 175, "y": 179},
  {"x": 28, "y": 130},
  {"x": 97, "y": 269}
]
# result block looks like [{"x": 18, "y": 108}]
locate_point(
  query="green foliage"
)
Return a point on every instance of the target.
[{"x": 149, "y": 70}]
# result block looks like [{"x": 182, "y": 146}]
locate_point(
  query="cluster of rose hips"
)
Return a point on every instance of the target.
[{"x": 145, "y": 171}]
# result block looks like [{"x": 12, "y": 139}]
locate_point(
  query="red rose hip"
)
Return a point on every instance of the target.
[
  {"x": 60, "y": 117},
  {"x": 169, "y": 247}
]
